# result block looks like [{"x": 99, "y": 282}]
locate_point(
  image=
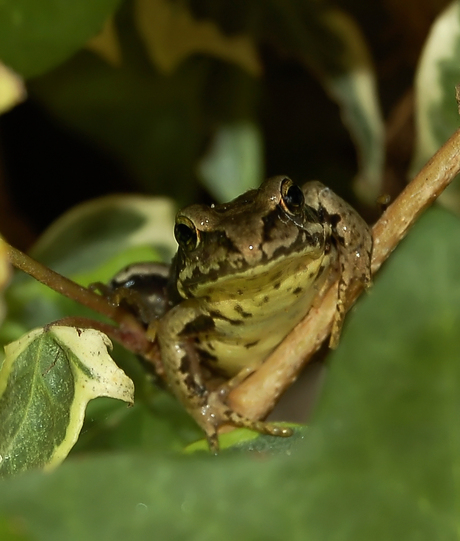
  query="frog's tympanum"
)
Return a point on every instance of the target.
[{"x": 245, "y": 273}]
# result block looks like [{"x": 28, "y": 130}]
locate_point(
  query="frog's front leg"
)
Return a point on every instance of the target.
[
  {"x": 177, "y": 333},
  {"x": 353, "y": 239}
]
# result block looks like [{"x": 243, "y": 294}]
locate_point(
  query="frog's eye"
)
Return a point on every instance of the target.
[
  {"x": 292, "y": 198},
  {"x": 186, "y": 234}
]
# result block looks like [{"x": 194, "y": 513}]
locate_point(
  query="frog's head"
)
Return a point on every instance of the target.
[{"x": 244, "y": 236}]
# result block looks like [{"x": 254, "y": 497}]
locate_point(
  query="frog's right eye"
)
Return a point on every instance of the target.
[
  {"x": 292, "y": 197},
  {"x": 187, "y": 235}
]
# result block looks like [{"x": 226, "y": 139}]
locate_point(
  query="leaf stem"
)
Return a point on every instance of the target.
[{"x": 129, "y": 326}]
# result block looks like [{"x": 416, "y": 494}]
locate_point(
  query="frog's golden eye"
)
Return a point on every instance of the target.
[
  {"x": 292, "y": 198},
  {"x": 186, "y": 234}
]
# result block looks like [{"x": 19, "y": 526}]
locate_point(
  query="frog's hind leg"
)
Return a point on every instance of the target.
[{"x": 177, "y": 333}]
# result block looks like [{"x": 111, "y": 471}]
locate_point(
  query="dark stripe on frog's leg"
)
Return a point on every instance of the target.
[
  {"x": 206, "y": 356},
  {"x": 200, "y": 324},
  {"x": 215, "y": 314},
  {"x": 197, "y": 389},
  {"x": 189, "y": 372}
]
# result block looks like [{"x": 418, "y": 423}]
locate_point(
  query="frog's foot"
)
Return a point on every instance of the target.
[{"x": 218, "y": 414}]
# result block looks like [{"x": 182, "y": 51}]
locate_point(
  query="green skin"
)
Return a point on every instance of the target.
[{"x": 246, "y": 272}]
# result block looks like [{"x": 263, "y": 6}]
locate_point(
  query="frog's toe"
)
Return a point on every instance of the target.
[
  {"x": 213, "y": 441},
  {"x": 271, "y": 429}
]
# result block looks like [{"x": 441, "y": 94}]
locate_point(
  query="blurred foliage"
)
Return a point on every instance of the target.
[
  {"x": 200, "y": 99},
  {"x": 155, "y": 106}
]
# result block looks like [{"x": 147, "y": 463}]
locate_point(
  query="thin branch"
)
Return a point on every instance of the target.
[
  {"x": 131, "y": 330},
  {"x": 256, "y": 396}
]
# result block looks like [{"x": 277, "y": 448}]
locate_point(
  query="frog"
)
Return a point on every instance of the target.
[{"x": 245, "y": 274}]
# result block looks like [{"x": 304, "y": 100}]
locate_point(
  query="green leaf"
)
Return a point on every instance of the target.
[
  {"x": 387, "y": 439},
  {"x": 438, "y": 73},
  {"x": 103, "y": 231},
  {"x": 37, "y": 35},
  {"x": 11, "y": 530},
  {"x": 140, "y": 497},
  {"x": 234, "y": 163},
  {"x": 46, "y": 381}
]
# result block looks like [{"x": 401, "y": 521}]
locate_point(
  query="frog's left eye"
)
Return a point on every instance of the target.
[
  {"x": 292, "y": 198},
  {"x": 187, "y": 235}
]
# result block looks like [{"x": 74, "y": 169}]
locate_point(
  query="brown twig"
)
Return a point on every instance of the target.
[
  {"x": 256, "y": 396},
  {"x": 131, "y": 334}
]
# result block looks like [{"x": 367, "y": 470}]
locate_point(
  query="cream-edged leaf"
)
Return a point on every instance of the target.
[
  {"x": 171, "y": 34},
  {"x": 352, "y": 84},
  {"x": 438, "y": 73},
  {"x": 46, "y": 381}
]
